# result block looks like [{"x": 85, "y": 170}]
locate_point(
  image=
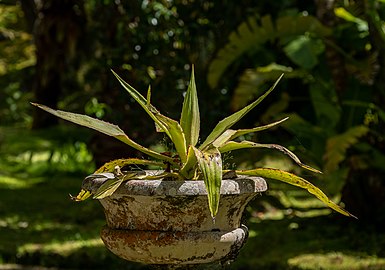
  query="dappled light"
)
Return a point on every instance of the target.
[{"x": 324, "y": 122}]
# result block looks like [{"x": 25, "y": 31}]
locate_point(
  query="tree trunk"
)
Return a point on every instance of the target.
[{"x": 57, "y": 29}]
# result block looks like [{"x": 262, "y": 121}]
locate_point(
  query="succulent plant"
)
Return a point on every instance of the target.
[{"x": 190, "y": 161}]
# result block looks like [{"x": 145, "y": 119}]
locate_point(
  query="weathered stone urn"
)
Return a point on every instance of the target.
[{"x": 162, "y": 222}]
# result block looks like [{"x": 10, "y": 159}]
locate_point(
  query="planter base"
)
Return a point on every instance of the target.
[{"x": 174, "y": 247}]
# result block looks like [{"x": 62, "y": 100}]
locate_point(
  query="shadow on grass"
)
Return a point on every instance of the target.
[
  {"x": 40, "y": 225},
  {"x": 321, "y": 242}
]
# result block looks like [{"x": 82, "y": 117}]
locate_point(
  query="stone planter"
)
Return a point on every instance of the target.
[{"x": 168, "y": 222}]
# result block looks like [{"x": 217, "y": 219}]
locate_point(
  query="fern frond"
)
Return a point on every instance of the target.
[
  {"x": 336, "y": 146},
  {"x": 250, "y": 35}
]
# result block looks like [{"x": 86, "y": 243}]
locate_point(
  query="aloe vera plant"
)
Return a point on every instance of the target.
[{"x": 191, "y": 161}]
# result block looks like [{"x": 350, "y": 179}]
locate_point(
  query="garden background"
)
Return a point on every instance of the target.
[{"x": 59, "y": 53}]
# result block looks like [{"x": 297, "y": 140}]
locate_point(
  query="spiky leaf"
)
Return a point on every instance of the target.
[
  {"x": 110, "y": 166},
  {"x": 231, "y": 145},
  {"x": 189, "y": 167},
  {"x": 231, "y": 134},
  {"x": 168, "y": 125},
  {"x": 229, "y": 121},
  {"x": 82, "y": 196},
  {"x": 190, "y": 119},
  {"x": 111, "y": 185},
  {"x": 295, "y": 180},
  {"x": 241, "y": 132},
  {"x": 103, "y": 127},
  {"x": 210, "y": 164}
]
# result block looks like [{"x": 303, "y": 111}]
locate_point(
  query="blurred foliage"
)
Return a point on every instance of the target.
[
  {"x": 333, "y": 57},
  {"x": 335, "y": 83},
  {"x": 17, "y": 58}
]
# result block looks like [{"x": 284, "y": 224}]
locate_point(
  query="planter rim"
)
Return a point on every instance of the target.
[{"x": 240, "y": 185}]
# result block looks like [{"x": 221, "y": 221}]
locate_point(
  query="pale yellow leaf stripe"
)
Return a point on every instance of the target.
[
  {"x": 110, "y": 166},
  {"x": 210, "y": 164},
  {"x": 231, "y": 145},
  {"x": 103, "y": 127},
  {"x": 295, "y": 180}
]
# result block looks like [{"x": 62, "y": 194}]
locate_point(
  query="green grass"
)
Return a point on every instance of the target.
[{"x": 41, "y": 226}]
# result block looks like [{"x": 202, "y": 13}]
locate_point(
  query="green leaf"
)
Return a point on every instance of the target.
[
  {"x": 230, "y": 146},
  {"x": 295, "y": 180},
  {"x": 231, "y": 134},
  {"x": 110, "y": 166},
  {"x": 210, "y": 164},
  {"x": 111, "y": 185},
  {"x": 304, "y": 51},
  {"x": 108, "y": 188},
  {"x": 241, "y": 132},
  {"x": 145, "y": 104},
  {"x": 83, "y": 195},
  {"x": 168, "y": 125},
  {"x": 342, "y": 13},
  {"x": 225, "y": 137},
  {"x": 176, "y": 135},
  {"x": 190, "y": 119},
  {"x": 103, "y": 127},
  {"x": 188, "y": 169},
  {"x": 229, "y": 121}
]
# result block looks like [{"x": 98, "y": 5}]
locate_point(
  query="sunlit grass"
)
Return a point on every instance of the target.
[
  {"x": 337, "y": 261},
  {"x": 63, "y": 248},
  {"x": 9, "y": 182},
  {"x": 40, "y": 225}
]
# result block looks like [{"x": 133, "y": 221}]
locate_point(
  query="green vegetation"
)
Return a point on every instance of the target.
[
  {"x": 189, "y": 162},
  {"x": 40, "y": 225},
  {"x": 333, "y": 57}
]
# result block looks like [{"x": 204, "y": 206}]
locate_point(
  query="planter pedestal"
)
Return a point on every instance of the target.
[
  {"x": 168, "y": 222},
  {"x": 174, "y": 248}
]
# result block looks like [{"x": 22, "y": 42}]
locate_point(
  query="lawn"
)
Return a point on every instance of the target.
[{"x": 41, "y": 226}]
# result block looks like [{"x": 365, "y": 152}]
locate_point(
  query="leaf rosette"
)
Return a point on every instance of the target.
[{"x": 191, "y": 161}]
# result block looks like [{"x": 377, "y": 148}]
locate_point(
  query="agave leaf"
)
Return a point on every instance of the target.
[
  {"x": 188, "y": 169},
  {"x": 168, "y": 125},
  {"x": 111, "y": 185},
  {"x": 176, "y": 135},
  {"x": 225, "y": 137},
  {"x": 108, "y": 188},
  {"x": 295, "y": 180},
  {"x": 226, "y": 123},
  {"x": 232, "y": 134},
  {"x": 230, "y": 146},
  {"x": 103, "y": 127},
  {"x": 189, "y": 119},
  {"x": 83, "y": 195},
  {"x": 158, "y": 128},
  {"x": 159, "y": 176},
  {"x": 240, "y": 132},
  {"x": 151, "y": 110},
  {"x": 110, "y": 166},
  {"x": 210, "y": 164},
  {"x": 148, "y": 101}
]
